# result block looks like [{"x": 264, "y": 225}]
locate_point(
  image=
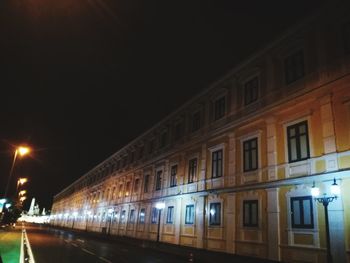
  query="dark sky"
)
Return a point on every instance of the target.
[{"x": 81, "y": 78}]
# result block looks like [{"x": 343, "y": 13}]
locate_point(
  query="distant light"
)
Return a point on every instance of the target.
[
  {"x": 66, "y": 214},
  {"x": 22, "y": 181},
  {"x": 110, "y": 211},
  {"x": 160, "y": 205},
  {"x": 75, "y": 214},
  {"x": 315, "y": 191},
  {"x": 2, "y": 201},
  {"x": 7, "y": 205}
]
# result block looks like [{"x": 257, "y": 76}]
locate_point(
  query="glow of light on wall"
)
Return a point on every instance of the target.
[
  {"x": 212, "y": 212},
  {"x": 160, "y": 205}
]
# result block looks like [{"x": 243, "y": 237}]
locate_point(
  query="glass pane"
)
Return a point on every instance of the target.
[
  {"x": 254, "y": 160},
  {"x": 292, "y": 132},
  {"x": 246, "y": 214},
  {"x": 246, "y": 161},
  {"x": 296, "y": 212},
  {"x": 303, "y": 146},
  {"x": 307, "y": 212},
  {"x": 302, "y": 129},
  {"x": 253, "y": 143},
  {"x": 293, "y": 149},
  {"x": 219, "y": 169},
  {"x": 254, "y": 218}
]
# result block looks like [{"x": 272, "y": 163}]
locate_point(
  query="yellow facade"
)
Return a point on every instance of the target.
[{"x": 235, "y": 165}]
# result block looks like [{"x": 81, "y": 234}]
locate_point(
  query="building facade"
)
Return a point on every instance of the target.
[{"x": 235, "y": 165}]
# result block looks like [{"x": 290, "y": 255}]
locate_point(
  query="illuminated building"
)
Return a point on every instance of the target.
[{"x": 235, "y": 165}]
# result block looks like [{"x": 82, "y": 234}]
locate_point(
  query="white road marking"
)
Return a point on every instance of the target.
[
  {"x": 88, "y": 251},
  {"x": 29, "y": 249},
  {"x": 73, "y": 244},
  {"x": 66, "y": 240},
  {"x": 80, "y": 240},
  {"x": 105, "y": 260}
]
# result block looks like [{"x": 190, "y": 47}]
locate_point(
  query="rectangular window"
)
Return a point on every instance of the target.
[
  {"x": 302, "y": 212},
  {"x": 173, "y": 173},
  {"x": 170, "y": 215},
  {"x": 250, "y": 155},
  {"x": 132, "y": 216},
  {"x": 298, "y": 142},
  {"x": 215, "y": 214},
  {"x": 136, "y": 185},
  {"x": 251, "y": 89},
  {"x": 294, "y": 67},
  {"x": 178, "y": 131},
  {"x": 192, "y": 170},
  {"x": 219, "y": 108},
  {"x": 158, "y": 180},
  {"x": 189, "y": 216},
  {"x": 216, "y": 164},
  {"x": 127, "y": 188},
  {"x": 196, "y": 121},
  {"x": 250, "y": 213},
  {"x": 142, "y": 216},
  {"x": 163, "y": 139},
  {"x": 122, "y": 217},
  {"x": 154, "y": 218},
  {"x": 146, "y": 183}
]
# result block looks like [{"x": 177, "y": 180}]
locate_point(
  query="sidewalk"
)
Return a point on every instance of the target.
[{"x": 10, "y": 245}]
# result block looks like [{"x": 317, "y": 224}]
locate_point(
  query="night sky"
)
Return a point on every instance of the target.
[{"x": 81, "y": 78}]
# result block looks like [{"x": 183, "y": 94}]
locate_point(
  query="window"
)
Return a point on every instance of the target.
[
  {"x": 163, "y": 139},
  {"x": 216, "y": 164},
  {"x": 120, "y": 194},
  {"x": 294, "y": 67},
  {"x": 250, "y": 213},
  {"x": 178, "y": 131},
  {"x": 219, "y": 108},
  {"x": 189, "y": 216},
  {"x": 142, "y": 216},
  {"x": 298, "y": 142},
  {"x": 141, "y": 150},
  {"x": 251, "y": 89},
  {"x": 302, "y": 212},
  {"x": 151, "y": 146},
  {"x": 136, "y": 185},
  {"x": 158, "y": 180},
  {"x": 170, "y": 215},
  {"x": 146, "y": 183},
  {"x": 122, "y": 217},
  {"x": 154, "y": 218},
  {"x": 250, "y": 157},
  {"x": 192, "y": 170},
  {"x": 173, "y": 173},
  {"x": 132, "y": 216},
  {"x": 215, "y": 214},
  {"x": 346, "y": 37},
  {"x": 196, "y": 121},
  {"x": 127, "y": 188}
]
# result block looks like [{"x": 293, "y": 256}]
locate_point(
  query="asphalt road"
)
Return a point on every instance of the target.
[{"x": 54, "y": 245}]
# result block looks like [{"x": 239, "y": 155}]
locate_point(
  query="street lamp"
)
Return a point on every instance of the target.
[
  {"x": 159, "y": 206},
  {"x": 110, "y": 214},
  {"x": 21, "y": 151},
  {"x": 325, "y": 200}
]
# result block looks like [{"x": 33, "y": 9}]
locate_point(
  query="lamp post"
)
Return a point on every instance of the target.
[
  {"x": 159, "y": 206},
  {"x": 325, "y": 200}
]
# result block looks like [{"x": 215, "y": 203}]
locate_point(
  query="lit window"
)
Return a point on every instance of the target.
[
  {"x": 215, "y": 214},
  {"x": 302, "y": 212},
  {"x": 142, "y": 216},
  {"x": 216, "y": 164},
  {"x": 250, "y": 158},
  {"x": 173, "y": 173},
  {"x": 122, "y": 217},
  {"x": 127, "y": 188},
  {"x": 298, "y": 142},
  {"x": 250, "y": 213},
  {"x": 219, "y": 108},
  {"x": 251, "y": 89},
  {"x": 132, "y": 216},
  {"x": 170, "y": 215},
  {"x": 294, "y": 67},
  {"x": 154, "y": 218},
  {"x": 189, "y": 216},
  {"x": 192, "y": 170}
]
